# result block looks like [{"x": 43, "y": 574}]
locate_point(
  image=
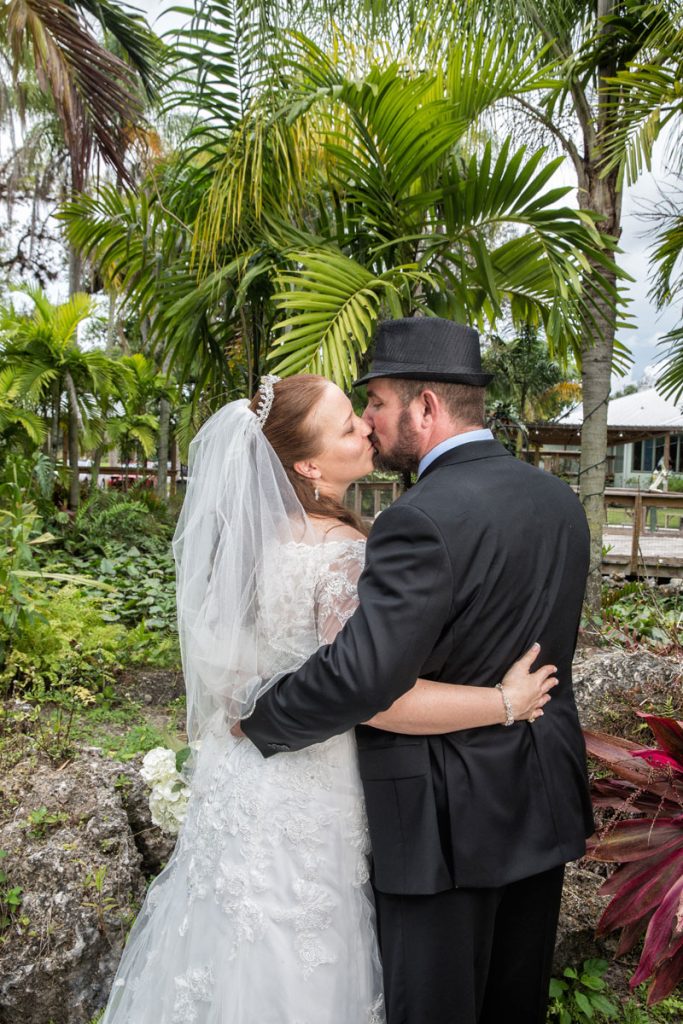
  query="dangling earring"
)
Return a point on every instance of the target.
[{"x": 316, "y": 494}]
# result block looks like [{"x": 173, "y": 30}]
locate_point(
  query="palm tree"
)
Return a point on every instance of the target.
[
  {"x": 42, "y": 349},
  {"x": 341, "y": 199},
  {"x": 595, "y": 45},
  {"x": 96, "y": 93},
  {"x": 527, "y": 384}
]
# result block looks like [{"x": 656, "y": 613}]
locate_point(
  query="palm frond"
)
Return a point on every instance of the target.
[
  {"x": 332, "y": 305},
  {"x": 140, "y": 45},
  {"x": 670, "y": 379},
  {"x": 91, "y": 87}
]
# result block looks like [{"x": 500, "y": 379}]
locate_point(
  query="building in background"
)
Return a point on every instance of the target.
[{"x": 644, "y": 433}]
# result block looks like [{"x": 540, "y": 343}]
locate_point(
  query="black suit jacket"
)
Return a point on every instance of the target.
[{"x": 483, "y": 556}]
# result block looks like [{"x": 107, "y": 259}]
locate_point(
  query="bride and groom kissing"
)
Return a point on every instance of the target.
[{"x": 290, "y": 624}]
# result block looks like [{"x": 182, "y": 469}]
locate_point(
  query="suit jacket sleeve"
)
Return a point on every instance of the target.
[{"x": 405, "y": 593}]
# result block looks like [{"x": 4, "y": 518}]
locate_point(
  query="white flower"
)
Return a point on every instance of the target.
[
  {"x": 170, "y": 790},
  {"x": 169, "y": 815},
  {"x": 158, "y": 765},
  {"x": 170, "y": 793}
]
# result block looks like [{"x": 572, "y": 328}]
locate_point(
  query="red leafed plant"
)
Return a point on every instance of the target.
[{"x": 647, "y": 887}]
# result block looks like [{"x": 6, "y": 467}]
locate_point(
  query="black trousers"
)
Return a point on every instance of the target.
[{"x": 470, "y": 956}]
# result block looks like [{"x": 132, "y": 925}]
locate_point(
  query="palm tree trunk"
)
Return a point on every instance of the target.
[
  {"x": 164, "y": 433},
  {"x": 75, "y": 426},
  {"x": 603, "y": 195},
  {"x": 75, "y": 271},
  {"x": 112, "y": 324},
  {"x": 54, "y": 424},
  {"x": 95, "y": 468},
  {"x": 164, "y": 436},
  {"x": 174, "y": 465}
]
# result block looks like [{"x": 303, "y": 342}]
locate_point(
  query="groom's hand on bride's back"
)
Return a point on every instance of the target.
[{"x": 237, "y": 729}]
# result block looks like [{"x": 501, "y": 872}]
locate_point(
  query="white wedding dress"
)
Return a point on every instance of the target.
[{"x": 264, "y": 915}]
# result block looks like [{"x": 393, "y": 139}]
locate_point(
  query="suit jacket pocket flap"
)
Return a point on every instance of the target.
[{"x": 395, "y": 762}]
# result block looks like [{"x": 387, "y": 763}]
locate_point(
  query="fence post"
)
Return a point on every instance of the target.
[{"x": 635, "y": 536}]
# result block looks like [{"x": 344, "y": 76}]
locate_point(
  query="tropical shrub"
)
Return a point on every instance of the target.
[
  {"x": 20, "y": 534},
  {"x": 638, "y": 613},
  {"x": 109, "y": 517},
  {"x": 66, "y": 645},
  {"x": 141, "y": 584},
  {"x": 647, "y": 887},
  {"x": 579, "y": 997}
]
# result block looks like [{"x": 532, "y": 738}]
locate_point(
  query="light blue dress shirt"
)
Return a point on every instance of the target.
[{"x": 453, "y": 442}]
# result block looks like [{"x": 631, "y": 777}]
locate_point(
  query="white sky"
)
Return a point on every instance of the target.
[{"x": 649, "y": 326}]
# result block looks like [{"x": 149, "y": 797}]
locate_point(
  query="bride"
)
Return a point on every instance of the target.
[{"x": 264, "y": 912}]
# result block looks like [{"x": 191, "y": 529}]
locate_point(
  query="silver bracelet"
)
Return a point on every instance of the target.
[{"x": 509, "y": 714}]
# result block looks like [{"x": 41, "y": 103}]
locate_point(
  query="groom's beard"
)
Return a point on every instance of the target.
[{"x": 403, "y": 457}]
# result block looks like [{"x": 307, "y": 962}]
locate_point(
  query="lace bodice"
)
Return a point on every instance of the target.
[{"x": 309, "y": 600}]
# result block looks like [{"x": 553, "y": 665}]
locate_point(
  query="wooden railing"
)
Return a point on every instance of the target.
[
  {"x": 648, "y": 543},
  {"x": 368, "y": 497},
  {"x": 645, "y": 543}
]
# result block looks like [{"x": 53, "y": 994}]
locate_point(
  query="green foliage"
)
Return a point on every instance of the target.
[
  {"x": 143, "y": 585},
  {"x": 10, "y": 896},
  {"x": 120, "y": 548},
  {"x": 631, "y": 1011},
  {"x": 675, "y": 482},
  {"x": 669, "y": 1011},
  {"x": 40, "y": 821},
  {"x": 20, "y": 534},
  {"x": 110, "y": 517},
  {"x": 136, "y": 739},
  {"x": 638, "y": 613},
  {"x": 347, "y": 186},
  {"x": 526, "y": 380},
  {"x": 66, "y": 646},
  {"x": 154, "y": 647},
  {"x": 579, "y": 997},
  {"x": 100, "y": 901}
]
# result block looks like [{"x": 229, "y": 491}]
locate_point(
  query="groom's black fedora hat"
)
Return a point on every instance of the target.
[{"x": 427, "y": 348}]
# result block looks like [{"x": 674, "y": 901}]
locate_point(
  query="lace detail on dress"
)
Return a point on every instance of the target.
[
  {"x": 233, "y": 894},
  {"x": 195, "y": 986},
  {"x": 311, "y": 917},
  {"x": 335, "y": 591}
]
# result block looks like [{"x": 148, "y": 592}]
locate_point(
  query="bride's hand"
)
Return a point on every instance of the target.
[{"x": 528, "y": 691}]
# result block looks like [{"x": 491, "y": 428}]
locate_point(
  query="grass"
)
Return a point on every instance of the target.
[{"x": 666, "y": 519}]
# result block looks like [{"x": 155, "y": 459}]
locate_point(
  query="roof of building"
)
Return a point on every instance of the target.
[{"x": 644, "y": 408}]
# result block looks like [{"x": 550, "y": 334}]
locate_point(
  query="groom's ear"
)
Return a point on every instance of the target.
[
  {"x": 429, "y": 406},
  {"x": 307, "y": 469}
]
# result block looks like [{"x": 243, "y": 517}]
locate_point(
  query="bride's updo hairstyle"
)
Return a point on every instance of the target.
[{"x": 290, "y": 430}]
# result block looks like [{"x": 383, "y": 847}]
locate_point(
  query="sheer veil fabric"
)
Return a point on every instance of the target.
[
  {"x": 263, "y": 914},
  {"x": 239, "y": 511}
]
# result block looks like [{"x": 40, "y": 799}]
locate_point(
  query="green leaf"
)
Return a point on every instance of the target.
[
  {"x": 583, "y": 1003},
  {"x": 181, "y": 757}
]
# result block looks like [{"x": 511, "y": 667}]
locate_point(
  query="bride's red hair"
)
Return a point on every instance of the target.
[{"x": 289, "y": 429}]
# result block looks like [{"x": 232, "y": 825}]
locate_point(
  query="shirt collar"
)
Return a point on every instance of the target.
[{"x": 452, "y": 442}]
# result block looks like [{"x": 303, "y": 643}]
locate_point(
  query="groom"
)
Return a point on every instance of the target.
[{"x": 470, "y": 830}]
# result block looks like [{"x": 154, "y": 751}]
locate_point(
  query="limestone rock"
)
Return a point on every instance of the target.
[
  {"x": 579, "y": 914},
  {"x": 80, "y": 865},
  {"x": 600, "y": 675}
]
